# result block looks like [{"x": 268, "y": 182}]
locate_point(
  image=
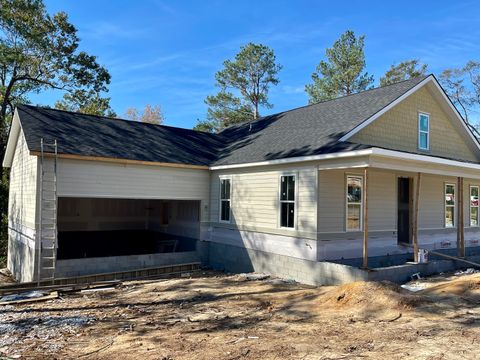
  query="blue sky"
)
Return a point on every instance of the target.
[{"x": 167, "y": 52}]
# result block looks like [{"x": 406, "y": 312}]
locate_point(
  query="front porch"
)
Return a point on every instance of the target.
[{"x": 379, "y": 209}]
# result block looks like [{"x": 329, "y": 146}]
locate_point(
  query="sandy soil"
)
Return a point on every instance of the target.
[{"x": 215, "y": 316}]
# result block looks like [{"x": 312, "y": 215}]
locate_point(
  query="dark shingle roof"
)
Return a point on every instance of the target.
[
  {"x": 309, "y": 130},
  {"x": 88, "y": 135}
]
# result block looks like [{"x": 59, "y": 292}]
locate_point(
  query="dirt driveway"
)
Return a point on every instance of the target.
[{"x": 215, "y": 316}]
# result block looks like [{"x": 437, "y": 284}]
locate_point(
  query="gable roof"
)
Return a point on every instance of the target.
[
  {"x": 87, "y": 135},
  {"x": 311, "y": 130}
]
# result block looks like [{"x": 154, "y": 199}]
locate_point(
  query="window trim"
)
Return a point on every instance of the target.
[
  {"x": 470, "y": 206},
  {"x": 347, "y": 176},
  {"x": 423, "y": 113},
  {"x": 295, "y": 205},
  {"x": 454, "y": 205},
  {"x": 220, "y": 200}
]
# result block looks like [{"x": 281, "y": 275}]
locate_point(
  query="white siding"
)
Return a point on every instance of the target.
[
  {"x": 23, "y": 187},
  {"x": 255, "y": 199},
  {"x": 78, "y": 178},
  {"x": 22, "y": 212}
]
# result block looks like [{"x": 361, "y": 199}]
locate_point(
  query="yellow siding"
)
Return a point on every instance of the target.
[
  {"x": 332, "y": 200},
  {"x": 23, "y": 187},
  {"x": 255, "y": 199},
  {"x": 383, "y": 200},
  {"x": 398, "y": 129}
]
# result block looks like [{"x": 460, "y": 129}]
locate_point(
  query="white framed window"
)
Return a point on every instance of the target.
[
  {"x": 354, "y": 203},
  {"x": 474, "y": 206},
  {"x": 225, "y": 198},
  {"x": 287, "y": 201},
  {"x": 423, "y": 131},
  {"x": 449, "y": 205}
]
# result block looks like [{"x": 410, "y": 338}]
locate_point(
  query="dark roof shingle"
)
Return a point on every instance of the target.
[{"x": 309, "y": 130}]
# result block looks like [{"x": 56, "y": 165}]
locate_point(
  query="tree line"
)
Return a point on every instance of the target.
[
  {"x": 41, "y": 51},
  {"x": 245, "y": 81}
]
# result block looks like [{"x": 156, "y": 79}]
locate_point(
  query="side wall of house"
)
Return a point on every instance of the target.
[
  {"x": 398, "y": 129},
  {"x": 255, "y": 211},
  {"x": 22, "y": 212}
]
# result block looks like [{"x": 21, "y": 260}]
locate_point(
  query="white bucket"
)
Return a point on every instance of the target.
[{"x": 422, "y": 256}]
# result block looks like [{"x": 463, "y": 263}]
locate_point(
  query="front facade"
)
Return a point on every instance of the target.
[{"x": 352, "y": 191}]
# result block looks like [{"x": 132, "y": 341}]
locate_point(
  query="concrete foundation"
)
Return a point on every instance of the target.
[
  {"x": 235, "y": 259},
  {"x": 87, "y": 266}
]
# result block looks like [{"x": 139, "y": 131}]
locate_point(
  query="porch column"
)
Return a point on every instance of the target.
[
  {"x": 365, "y": 219},
  {"x": 415, "y": 218},
  {"x": 460, "y": 225}
]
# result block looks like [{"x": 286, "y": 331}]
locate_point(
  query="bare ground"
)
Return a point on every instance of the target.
[{"x": 215, "y": 316}]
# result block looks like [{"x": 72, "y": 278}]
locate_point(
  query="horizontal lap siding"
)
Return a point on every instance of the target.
[
  {"x": 332, "y": 200},
  {"x": 100, "y": 179},
  {"x": 383, "y": 200},
  {"x": 23, "y": 186},
  {"x": 255, "y": 197}
]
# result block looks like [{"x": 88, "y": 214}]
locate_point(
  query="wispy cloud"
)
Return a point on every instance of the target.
[{"x": 108, "y": 30}]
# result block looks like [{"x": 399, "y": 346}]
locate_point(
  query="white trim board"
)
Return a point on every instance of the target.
[{"x": 356, "y": 153}]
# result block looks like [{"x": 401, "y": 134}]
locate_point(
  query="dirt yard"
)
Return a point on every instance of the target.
[{"x": 215, "y": 316}]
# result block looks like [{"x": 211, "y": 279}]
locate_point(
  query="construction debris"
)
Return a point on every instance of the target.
[
  {"x": 214, "y": 316},
  {"x": 31, "y": 296}
]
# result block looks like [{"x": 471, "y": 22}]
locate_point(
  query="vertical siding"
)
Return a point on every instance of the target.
[
  {"x": 23, "y": 187},
  {"x": 255, "y": 198}
]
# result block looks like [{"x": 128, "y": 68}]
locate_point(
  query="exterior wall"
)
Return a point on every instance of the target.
[
  {"x": 398, "y": 129},
  {"x": 22, "y": 212},
  {"x": 336, "y": 243},
  {"x": 255, "y": 211}
]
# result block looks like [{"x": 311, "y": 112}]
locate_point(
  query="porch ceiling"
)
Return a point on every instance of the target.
[{"x": 401, "y": 161}]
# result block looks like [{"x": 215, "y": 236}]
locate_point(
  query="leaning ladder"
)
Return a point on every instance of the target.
[{"x": 47, "y": 250}]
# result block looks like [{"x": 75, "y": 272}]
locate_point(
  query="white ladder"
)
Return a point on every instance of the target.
[{"x": 47, "y": 250}]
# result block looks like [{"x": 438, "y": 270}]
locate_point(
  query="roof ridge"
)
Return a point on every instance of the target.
[
  {"x": 324, "y": 101},
  {"x": 110, "y": 118}
]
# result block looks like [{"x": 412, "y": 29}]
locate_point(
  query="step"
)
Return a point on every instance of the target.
[{"x": 48, "y": 268}]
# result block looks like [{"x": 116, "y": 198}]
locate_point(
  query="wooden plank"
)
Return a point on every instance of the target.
[
  {"x": 122, "y": 161},
  {"x": 415, "y": 217},
  {"x": 365, "y": 219},
  {"x": 460, "y": 225}
]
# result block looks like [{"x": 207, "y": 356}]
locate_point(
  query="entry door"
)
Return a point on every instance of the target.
[{"x": 403, "y": 220}]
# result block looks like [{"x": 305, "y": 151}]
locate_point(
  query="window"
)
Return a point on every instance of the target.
[
  {"x": 449, "y": 205},
  {"x": 473, "y": 205},
  {"x": 423, "y": 131},
  {"x": 354, "y": 203},
  {"x": 287, "y": 201},
  {"x": 225, "y": 200}
]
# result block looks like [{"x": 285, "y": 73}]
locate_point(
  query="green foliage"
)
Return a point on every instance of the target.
[
  {"x": 403, "y": 71},
  {"x": 343, "y": 72},
  {"x": 86, "y": 102},
  {"x": 224, "y": 109},
  {"x": 244, "y": 84},
  {"x": 463, "y": 87},
  {"x": 39, "y": 51}
]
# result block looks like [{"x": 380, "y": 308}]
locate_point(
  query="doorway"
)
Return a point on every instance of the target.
[{"x": 404, "y": 211}]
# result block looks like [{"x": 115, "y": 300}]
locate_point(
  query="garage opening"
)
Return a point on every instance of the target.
[{"x": 93, "y": 227}]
